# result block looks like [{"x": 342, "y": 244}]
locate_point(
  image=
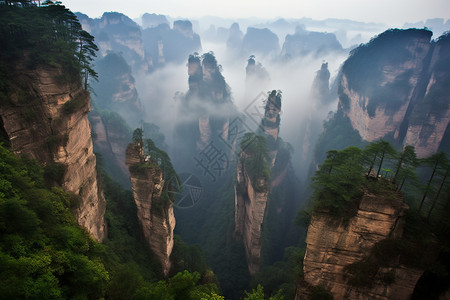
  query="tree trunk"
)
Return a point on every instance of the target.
[
  {"x": 428, "y": 186},
  {"x": 437, "y": 194}
]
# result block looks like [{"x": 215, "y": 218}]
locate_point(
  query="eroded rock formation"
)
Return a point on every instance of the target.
[
  {"x": 46, "y": 119},
  {"x": 252, "y": 192},
  {"x": 117, "y": 32},
  {"x": 334, "y": 245},
  {"x": 155, "y": 213},
  {"x": 396, "y": 87},
  {"x": 250, "y": 209}
]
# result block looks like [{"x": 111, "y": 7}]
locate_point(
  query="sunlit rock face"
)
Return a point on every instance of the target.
[
  {"x": 155, "y": 214},
  {"x": 333, "y": 245},
  {"x": 47, "y": 120},
  {"x": 396, "y": 87}
]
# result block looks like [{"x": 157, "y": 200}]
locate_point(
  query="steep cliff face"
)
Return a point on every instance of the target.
[
  {"x": 270, "y": 124},
  {"x": 319, "y": 104},
  {"x": 208, "y": 100},
  {"x": 304, "y": 43},
  {"x": 155, "y": 214},
  {"x": 250, "y": 209},
  {"x": 430, "y": 117},
  {"x": 394, "y": 87},
  {"x": 116, "y": 90},
  {"x": 47, "y": 120},
  {"x": 116, "y": 32},
  {"x": 171, "y": 45},
  {"x": 111, "y": 137},
  {"x": 261, "y": 41},
  {"x": 252, "y": 192},
  {"x": 256, "y": 77},
  {"x": 333, "y": 246}
]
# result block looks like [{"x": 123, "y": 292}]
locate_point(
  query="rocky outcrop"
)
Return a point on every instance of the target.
[
  {"x": 396, "y": 87},
  {"x": 116, "y": 90},
  {"x": 260, "y": 41},
  {"x": 270, "y": 124},
  {"x": 111, "y": 137},
  {"x": 171, "y": 45},
  {"x": 334, "y": 245},
  {"x": 252, "y": 192},
  {"x": 311, "y": 127},
  {"x": 46, "y": 119},
  {"x": 155, "y": 212},
  {"x": 304, "y": 43},
  {"x": 250, "y": 209},
  {"x": 116, "y": 32},
  {"x": 256, "y": 77},
  {"x": 208, "y": 99}
]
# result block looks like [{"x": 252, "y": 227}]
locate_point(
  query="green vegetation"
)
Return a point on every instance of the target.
[
  {"x": 256, "y": 159},
  {"x": 280, "y": 279},
  {"x": 159, "y": 158},
  {"x": 43, "y": 252},
  {"x": 50, "y": 35},
  {"x": 341, "y": 180},
  {"x": 337, "y": 184},
  {"x": 364, "y": 66}
]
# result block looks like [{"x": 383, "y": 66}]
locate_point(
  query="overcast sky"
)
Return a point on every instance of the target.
[{"x": 390, "y": 12}]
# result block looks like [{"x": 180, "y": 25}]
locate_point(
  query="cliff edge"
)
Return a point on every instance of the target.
[{"x": 45, "y": 117}]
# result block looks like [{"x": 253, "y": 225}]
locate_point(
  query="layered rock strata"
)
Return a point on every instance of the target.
[
  {"x": 47, "y": 120},
  {"x": 333, "y": 245},
  {"x": 155, "y": 214},
  {"x": 251, "y": 198},
  {"x": 396, "y": 87},
  {"x": 250, "y": 208}
]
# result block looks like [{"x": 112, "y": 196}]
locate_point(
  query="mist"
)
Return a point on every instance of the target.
[{"x": 161, "y": 92}]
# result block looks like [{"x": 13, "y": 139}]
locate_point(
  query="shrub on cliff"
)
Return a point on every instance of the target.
[{"x": 256, "y": 159}]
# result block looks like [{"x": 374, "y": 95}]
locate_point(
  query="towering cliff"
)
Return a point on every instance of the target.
[
  {"x": 338, "y": 254},
  {"x": 117, "y": 32},
  {"x": 46, "y": 119},
  {"x": 304, "y": 43},
  {"x": 256, "y": 77},
  {"x": 155, "y": 210},
  {"x": 319, "y": 104},
  {"x": 116, "y": 89},
  {"x": 252, "y": 188},
  {"x": 171, "y": 45},
  {"x": 396, "y": 87},
  {"x": 207, "y": 108},
  {"x": 260, "y": 41}
]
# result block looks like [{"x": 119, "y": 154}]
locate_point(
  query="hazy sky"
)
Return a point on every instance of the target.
[{"x": 390, "y": 12}]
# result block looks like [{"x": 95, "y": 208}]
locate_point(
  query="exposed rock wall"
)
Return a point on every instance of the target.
[
  {"x": 250, "y": 204},
  {"x": 155, "y": 214},
  {"x": 47, "y": 120},
  {"x": 396, "y": 87},
  {"x": 250, "y": 208},
  {"x": 331, "y": 246}
]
